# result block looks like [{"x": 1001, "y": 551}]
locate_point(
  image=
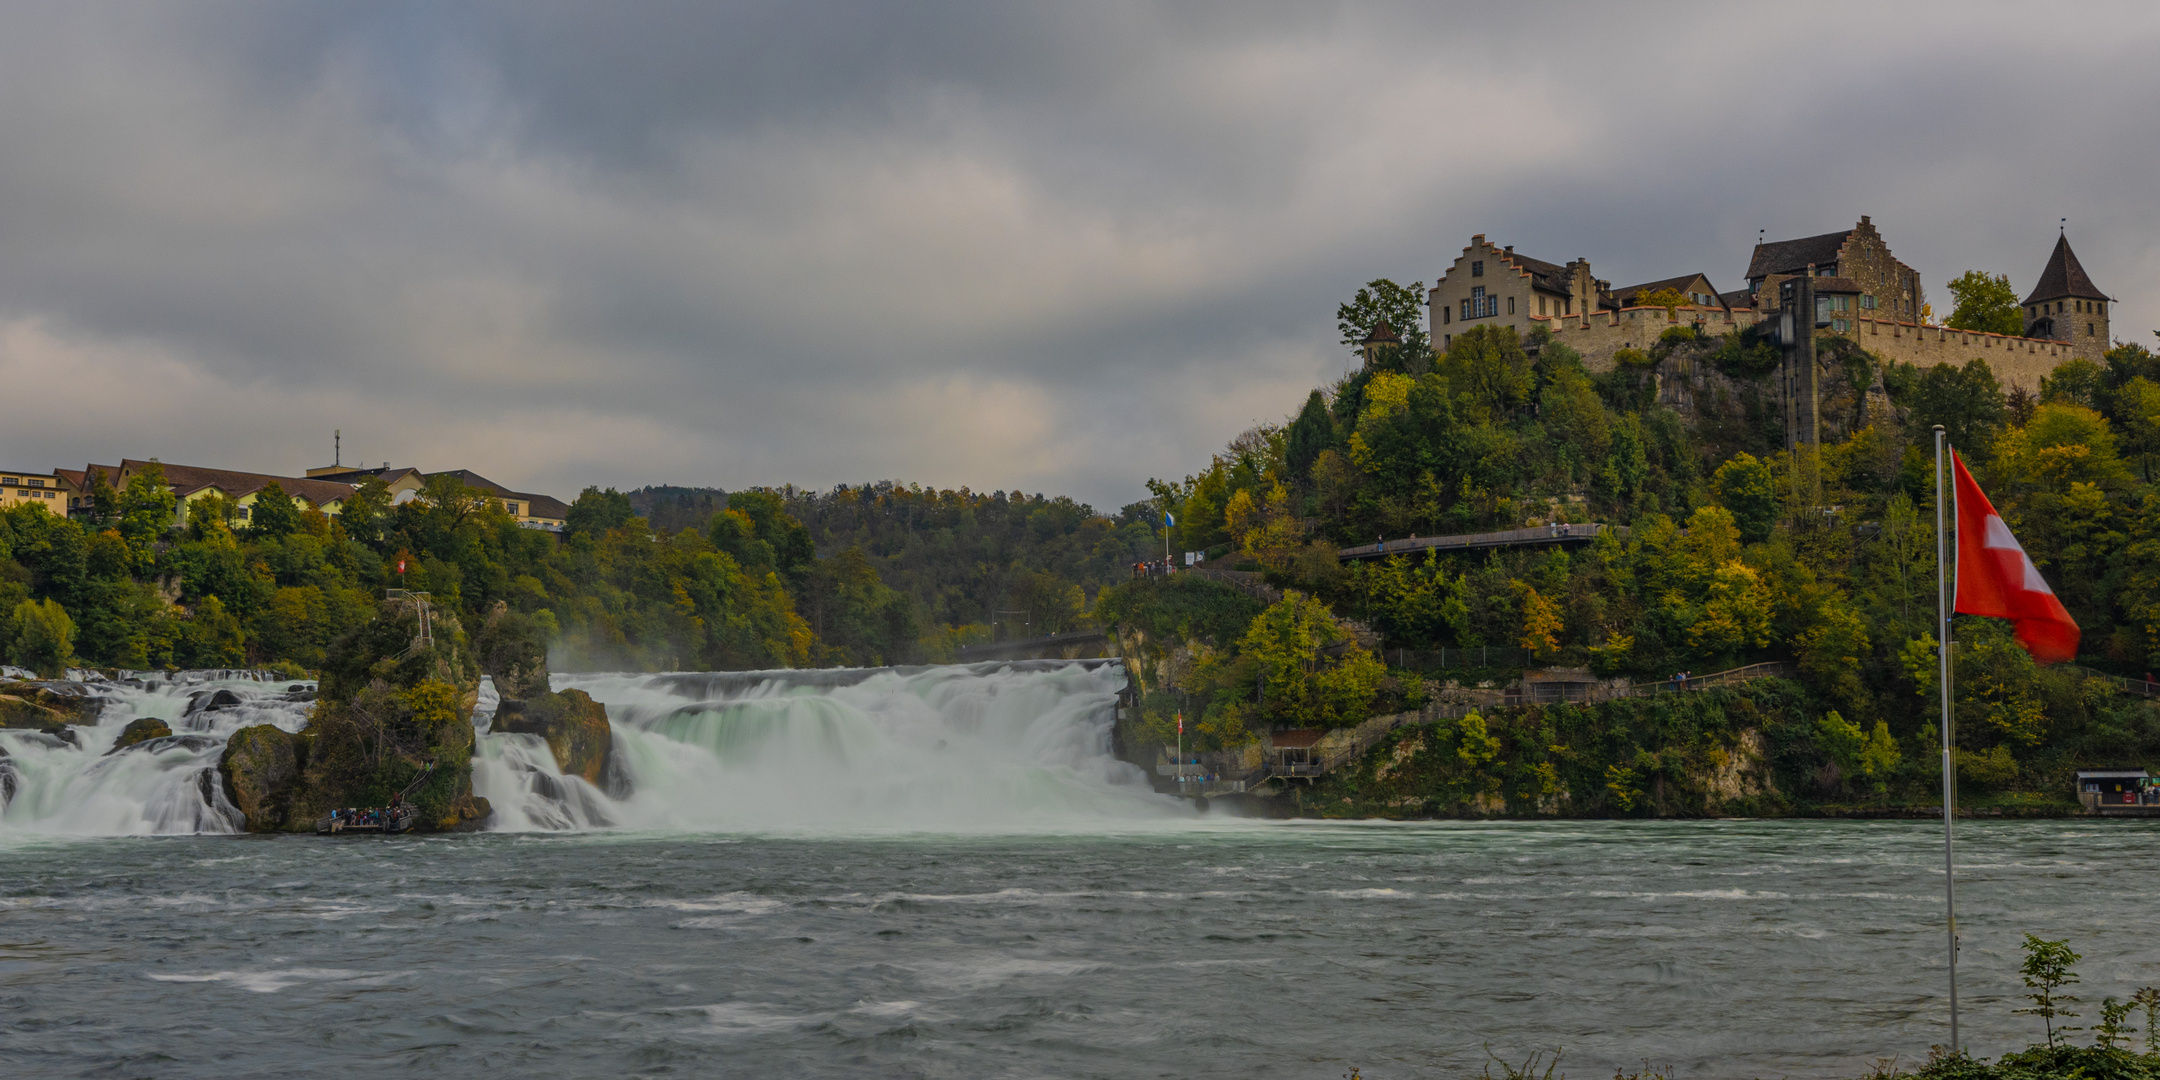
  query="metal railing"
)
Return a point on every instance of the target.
[{"x": 1558, "y": 533}]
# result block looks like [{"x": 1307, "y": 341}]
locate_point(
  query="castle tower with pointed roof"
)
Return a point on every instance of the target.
[{"x": 2066, "y": 306}]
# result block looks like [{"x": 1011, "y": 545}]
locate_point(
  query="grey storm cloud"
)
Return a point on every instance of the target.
[{"x": 1059, "y": 247}]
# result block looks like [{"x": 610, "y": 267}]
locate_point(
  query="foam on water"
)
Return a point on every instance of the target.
[
  {"x": 74, "y": 784},
  {"x": 985, "y": 747},
  {"x": 979, "y": 748}
]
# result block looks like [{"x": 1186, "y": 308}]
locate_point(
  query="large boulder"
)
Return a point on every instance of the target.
[
  {"x": 262, "y": 774},
  {"x": 143, "y": 730},
  {"x": 41, "y": 705},
  {"x": 574, "y": 726}
]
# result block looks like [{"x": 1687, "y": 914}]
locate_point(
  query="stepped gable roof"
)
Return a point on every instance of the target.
[
  {"x": 1626, "y": 294},
  {"x": 2064, "y": 279},
  {"x": 1551, "y": 277},
  {"x": 1383, "y": 334},
  {"x": 1795, "y": 256},
  {"x": 188, "y": 479}
]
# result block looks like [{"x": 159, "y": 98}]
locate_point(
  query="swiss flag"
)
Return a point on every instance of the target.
[{"x": 1995, "y": 577}]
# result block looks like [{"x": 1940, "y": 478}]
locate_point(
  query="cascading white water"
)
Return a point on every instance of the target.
[
  {"x": 76, "y": 784},
  {"x": 987, "y": 746}
]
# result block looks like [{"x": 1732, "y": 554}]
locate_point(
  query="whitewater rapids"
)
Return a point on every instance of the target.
[{"x": 997, "y": 747}]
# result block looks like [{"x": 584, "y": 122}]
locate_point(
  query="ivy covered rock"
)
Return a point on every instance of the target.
[
  {"x": 35, "y": 705},
  {"x": 394, "y": 713},
  {"x": 511, "y": 648},
  {"x": 261, "y": 767},
  {"x": 143, "y": 730}
]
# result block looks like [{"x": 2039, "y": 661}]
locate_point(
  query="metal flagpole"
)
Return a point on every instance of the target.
[{"x": 1942, "y": 604}]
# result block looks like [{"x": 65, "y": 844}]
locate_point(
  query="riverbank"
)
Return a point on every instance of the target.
[{"x": 1764, "y": 749}]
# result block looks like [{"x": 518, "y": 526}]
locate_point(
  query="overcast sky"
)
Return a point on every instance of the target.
[{"x": 1060, "y": 248}]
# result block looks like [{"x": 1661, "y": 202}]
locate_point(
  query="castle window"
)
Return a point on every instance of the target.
[
  {"x": 1477, "y": 268},
  {"x": 1511, "y": 305},
  {"x": 2088, "y": 330},
  {"x": 1541, "y": 305}
]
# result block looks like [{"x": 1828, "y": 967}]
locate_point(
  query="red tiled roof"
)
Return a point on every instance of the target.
[
  {"x": 188, "y": 479},
  {"x": 539, "y": 506}
]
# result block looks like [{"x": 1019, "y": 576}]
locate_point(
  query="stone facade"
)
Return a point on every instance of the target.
[
  {"x": 1887, "y": 288},
  {"x": 2066, "y": 306},
  {"x": 1862, "y": 291},
  {"x": 1491, "y": 285}
]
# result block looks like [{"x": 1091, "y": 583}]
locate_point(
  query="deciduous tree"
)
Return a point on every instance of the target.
[{"x": 1986, "y": 303}]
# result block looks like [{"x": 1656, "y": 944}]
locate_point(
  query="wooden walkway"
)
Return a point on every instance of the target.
[{"x": 1541, "y": 535}]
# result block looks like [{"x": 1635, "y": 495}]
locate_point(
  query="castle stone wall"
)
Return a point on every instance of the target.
[{"x": 2017, "y": 360}]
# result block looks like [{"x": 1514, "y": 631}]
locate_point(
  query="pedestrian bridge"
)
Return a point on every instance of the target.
[{"x": 1559, "y": 533}]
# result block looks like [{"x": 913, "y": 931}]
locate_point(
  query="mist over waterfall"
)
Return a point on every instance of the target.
[
  {"x": 76, "y": 783},
  {"x": 987, "y": 747},
  {"x": 999, "y": 746}
]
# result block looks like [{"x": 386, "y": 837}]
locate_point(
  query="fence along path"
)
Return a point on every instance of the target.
[{"x": 1558, "y": 533}]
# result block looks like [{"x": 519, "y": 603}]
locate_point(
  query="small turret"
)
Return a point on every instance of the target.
[
  {"x": 1382, "y": 336},
  {"x": 2066, "y": 306}
]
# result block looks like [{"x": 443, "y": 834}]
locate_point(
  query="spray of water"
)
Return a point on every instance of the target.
[
  {"x": 978, "y": 747},
  {"x": 76, "y": 783},
  {"x": 997, "y": 747}
]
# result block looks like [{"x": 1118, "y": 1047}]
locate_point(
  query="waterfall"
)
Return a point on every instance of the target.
[
  {"x": 997, "y": 746},
  {"x": 74, "y": 783},
  {"x": 994, "y": 746}
]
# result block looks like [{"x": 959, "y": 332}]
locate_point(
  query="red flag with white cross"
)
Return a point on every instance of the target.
[{"x": 1996, "y": 578}]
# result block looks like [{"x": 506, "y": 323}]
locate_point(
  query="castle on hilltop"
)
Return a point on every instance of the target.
[{"x": 1857, "y": 289}]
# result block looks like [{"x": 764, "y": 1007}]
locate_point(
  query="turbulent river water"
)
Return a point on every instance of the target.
[{"x": 944, "y": 873}]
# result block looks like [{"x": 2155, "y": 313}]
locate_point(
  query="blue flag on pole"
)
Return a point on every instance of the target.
[{"x": 1168, "y": 519}]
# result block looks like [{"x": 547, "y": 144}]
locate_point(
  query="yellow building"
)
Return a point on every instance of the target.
[{"x": 46, "y": 489}]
